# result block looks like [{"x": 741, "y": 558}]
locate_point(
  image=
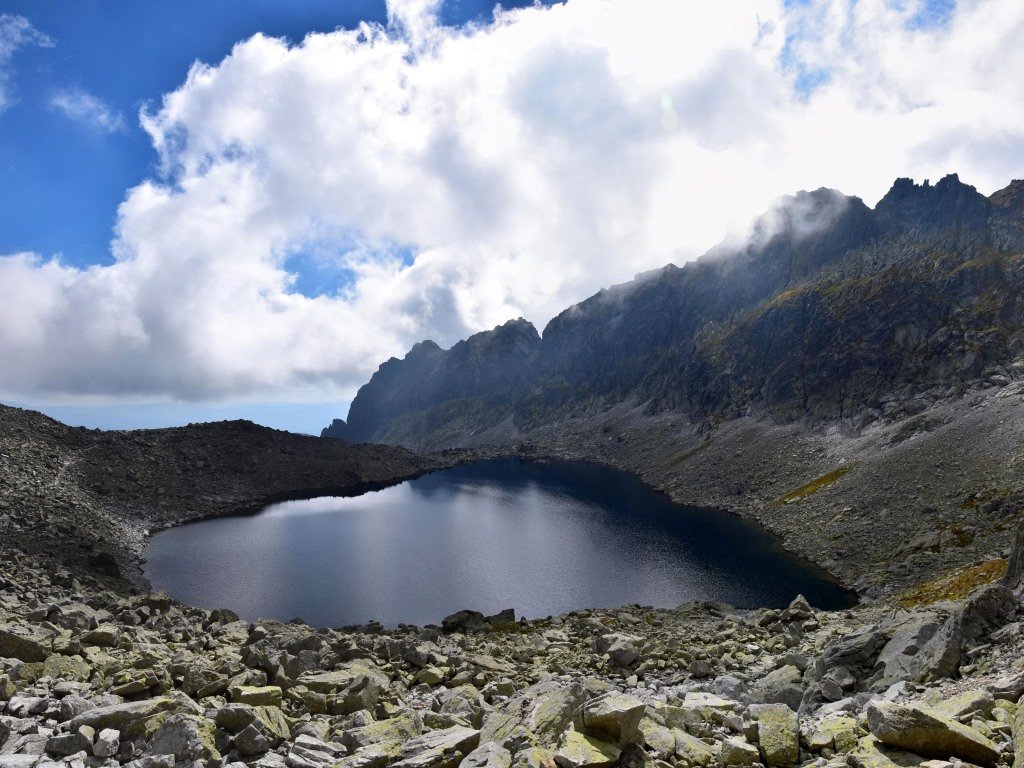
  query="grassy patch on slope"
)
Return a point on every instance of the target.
[
  {"x": 954, "y": 585},
  {"x": 798, "y": 494}
]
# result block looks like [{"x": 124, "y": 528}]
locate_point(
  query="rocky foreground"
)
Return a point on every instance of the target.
[
  {"x": 97, "y": 671},
  {"x": 90, "y": 677}
]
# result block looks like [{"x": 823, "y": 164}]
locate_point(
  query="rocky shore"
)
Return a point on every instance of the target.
[
  {"x": 930, "y": 487},
  {"x": 90, "y": 677}
]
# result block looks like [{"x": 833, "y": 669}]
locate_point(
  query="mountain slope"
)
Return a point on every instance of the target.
[
  {"x": 831, "y": 311},
  {"x": 852, "y": 378}
]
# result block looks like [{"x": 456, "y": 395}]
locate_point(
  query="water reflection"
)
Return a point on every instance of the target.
[{"x": 543, "y": 538}]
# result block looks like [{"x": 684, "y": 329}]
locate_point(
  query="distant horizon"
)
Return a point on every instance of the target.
[{"x": 300, "y": 418}]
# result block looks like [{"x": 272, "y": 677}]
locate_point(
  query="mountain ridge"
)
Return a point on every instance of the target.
[{"x": 745, "y": 327}]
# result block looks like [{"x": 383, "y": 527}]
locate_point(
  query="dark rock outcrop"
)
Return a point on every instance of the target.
[{"x": 335, "y": 429}]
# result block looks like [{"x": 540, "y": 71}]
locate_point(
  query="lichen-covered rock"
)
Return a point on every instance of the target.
[
  {"x": 691, "y": 752},
  {"x": 187, "y": 737},
  {"x": 545, "y": 709},
  {"x": 105, "y": 635},
  {"x": 781, "y": 686},
  {"x": 613, "y": 717},
  {"x": 968, "y": 705},
  {"x": 871, "y": 753},
  {"x": 134, "y": 718},
  {"x": 836, "y": 733},
  {"x": 68, "y": 744},
  {"x": 778, "y": 734},
  {"x": 737, "y": 753},
  {"x": 350, "y": 674},
  {"x": 621, "y": 648},
  {"x": 309, "y": 752},
  {"x": 256, "y": 729},
  {"x": 488, "y": 755},
  {"x": 533, "y": 757},
  {"x": 659, "y": 739},
  {"x": 400, "y": 729},
  {"x": 576, "y": 750},
  {"x": 902, "y": 659},
  {"x": 25, "y": 642},
  {"x": 257, "y": 695},
  {"x": 927, "y": 732},
  {"x": 438, "y": 749}
]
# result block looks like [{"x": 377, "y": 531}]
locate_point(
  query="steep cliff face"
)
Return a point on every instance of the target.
[
  {"x": 831, "y": 310},
  {"x": 487, "y": 369}
]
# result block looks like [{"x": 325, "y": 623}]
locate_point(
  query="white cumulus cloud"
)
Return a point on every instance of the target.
[{"x": 461, "y": 177}]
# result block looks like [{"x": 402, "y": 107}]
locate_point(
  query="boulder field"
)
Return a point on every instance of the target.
[{"x": 90, "y": 676}]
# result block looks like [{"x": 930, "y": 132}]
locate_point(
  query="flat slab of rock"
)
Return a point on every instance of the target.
[
  {"x": 131, "y": 717},
  {"x": 257, "y": 696},
  {"x": 969, "y": 704},
  {"x": 308, "y": 752},
  {"x": 871, "y": 753},
  {"x": 929, "y": 733},
  {"x": 1009, "y": 686},
  {"x": 396, "y": 729},
  {"x": 344, "y": 676},
  {"x": 438, "y": 748}
]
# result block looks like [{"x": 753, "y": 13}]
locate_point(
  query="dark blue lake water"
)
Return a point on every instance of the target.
[{"x": 543, "y": 538}]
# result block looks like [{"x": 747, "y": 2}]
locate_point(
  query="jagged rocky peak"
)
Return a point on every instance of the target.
[
  {"x": 495, "y": 353},
  {"x": 798, "y": 216},
  {"x": 1010, "y": 196},
  {"x": 924, "y": 208},
  {"x": 423, "y": 349},
  {"x": 1007, "y": 220},
  {"x": 335, "y": 429},
  {"x": 487, "y": 363},
  {"x": 518, "y": 331}
]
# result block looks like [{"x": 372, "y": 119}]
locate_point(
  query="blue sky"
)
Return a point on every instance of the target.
[
  {"x": 61, "y": 181},
  {"x": 333, "y": 200}
]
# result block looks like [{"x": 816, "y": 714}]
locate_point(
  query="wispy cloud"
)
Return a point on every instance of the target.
[
  {"x": 15, "y": 33},
  {"x": 87, "y": 110}
]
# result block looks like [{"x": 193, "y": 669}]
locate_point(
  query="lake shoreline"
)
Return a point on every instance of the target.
[{"x": 619, "y": 499}]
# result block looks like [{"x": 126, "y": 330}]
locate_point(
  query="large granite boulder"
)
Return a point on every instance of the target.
[{"x": 929, "y": 733}]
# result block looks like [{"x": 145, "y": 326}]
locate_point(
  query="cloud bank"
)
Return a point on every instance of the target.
[{"x": 442, "y": 181}]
